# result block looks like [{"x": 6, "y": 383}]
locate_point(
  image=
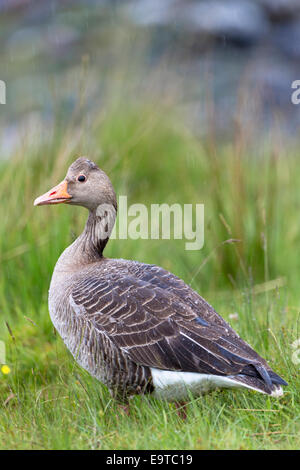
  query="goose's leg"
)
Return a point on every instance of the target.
[
  {"x": 125, "y": 409},
  {"x": 181, "y": 409},
  {"x": 122, "y": 399}
]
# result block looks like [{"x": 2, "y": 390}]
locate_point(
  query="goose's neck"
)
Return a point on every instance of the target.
[{"x": 88, "y": 247}]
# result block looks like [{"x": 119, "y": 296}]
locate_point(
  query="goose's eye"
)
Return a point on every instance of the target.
[{"x": 81, "y": 178}]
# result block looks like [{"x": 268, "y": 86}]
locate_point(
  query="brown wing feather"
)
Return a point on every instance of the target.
[{"x": 161, "y": 322}]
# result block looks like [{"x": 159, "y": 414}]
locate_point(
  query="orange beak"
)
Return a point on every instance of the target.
[{"x": 56, "y": 195}]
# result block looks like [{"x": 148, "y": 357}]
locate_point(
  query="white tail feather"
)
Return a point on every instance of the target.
[{"x": 173, "y": 385}]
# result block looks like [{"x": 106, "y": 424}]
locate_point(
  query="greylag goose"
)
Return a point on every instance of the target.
[{"x": 136, "y": 327}]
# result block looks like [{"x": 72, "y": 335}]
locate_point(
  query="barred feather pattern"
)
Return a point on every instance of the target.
[{"x": 124, "y": 318}]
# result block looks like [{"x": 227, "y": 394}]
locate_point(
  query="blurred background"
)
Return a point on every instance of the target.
[
  {"x": 226, "y": 60},
  {"x": 179, "y": 102}
]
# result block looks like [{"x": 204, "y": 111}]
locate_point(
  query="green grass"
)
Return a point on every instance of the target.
[{"x": 251, "y": 193}]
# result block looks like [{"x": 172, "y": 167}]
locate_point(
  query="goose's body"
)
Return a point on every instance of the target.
[{"x": 136, "y": 327}]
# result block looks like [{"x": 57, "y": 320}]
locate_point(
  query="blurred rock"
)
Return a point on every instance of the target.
[
  {"x": 238, "y": 21},
  {"x": 281, "y": 10},
  {"x": 152, "y": 12},
  {"x": 243, "y": 22}
]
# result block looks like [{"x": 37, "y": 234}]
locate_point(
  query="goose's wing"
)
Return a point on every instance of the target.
[
  {"x": 155, "y": 328},
  {"x": 176, "y": 287}
]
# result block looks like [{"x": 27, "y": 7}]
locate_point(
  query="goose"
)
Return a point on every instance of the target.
[{"x": 136, "y": 327}]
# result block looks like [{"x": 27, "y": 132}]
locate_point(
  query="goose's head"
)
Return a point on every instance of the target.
[{"x": 84, "y": 185}]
